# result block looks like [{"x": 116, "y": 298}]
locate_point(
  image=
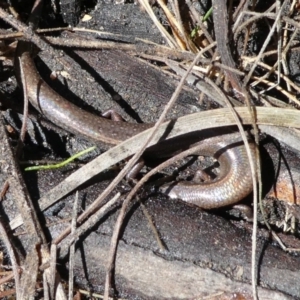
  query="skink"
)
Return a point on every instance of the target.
[{"x": 233, "y": 184}]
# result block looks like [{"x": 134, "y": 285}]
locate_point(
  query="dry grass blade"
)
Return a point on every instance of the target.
[{"x": 145, "y": 4}]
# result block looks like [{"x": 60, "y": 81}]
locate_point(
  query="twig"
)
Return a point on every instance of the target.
[
  {"x": 25, "y": 113},
  {"x": 12, "y": 257},
  {"x": 72, "y": 249},
  {"x": 4, "y": 189}
]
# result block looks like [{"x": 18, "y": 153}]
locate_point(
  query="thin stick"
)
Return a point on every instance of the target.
[
  {"x": 72, "y": 249},
  {"x": 4, "y": 189},
  {"x": 12, "y": 257},
  {"x": 25, "y": 112}
]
